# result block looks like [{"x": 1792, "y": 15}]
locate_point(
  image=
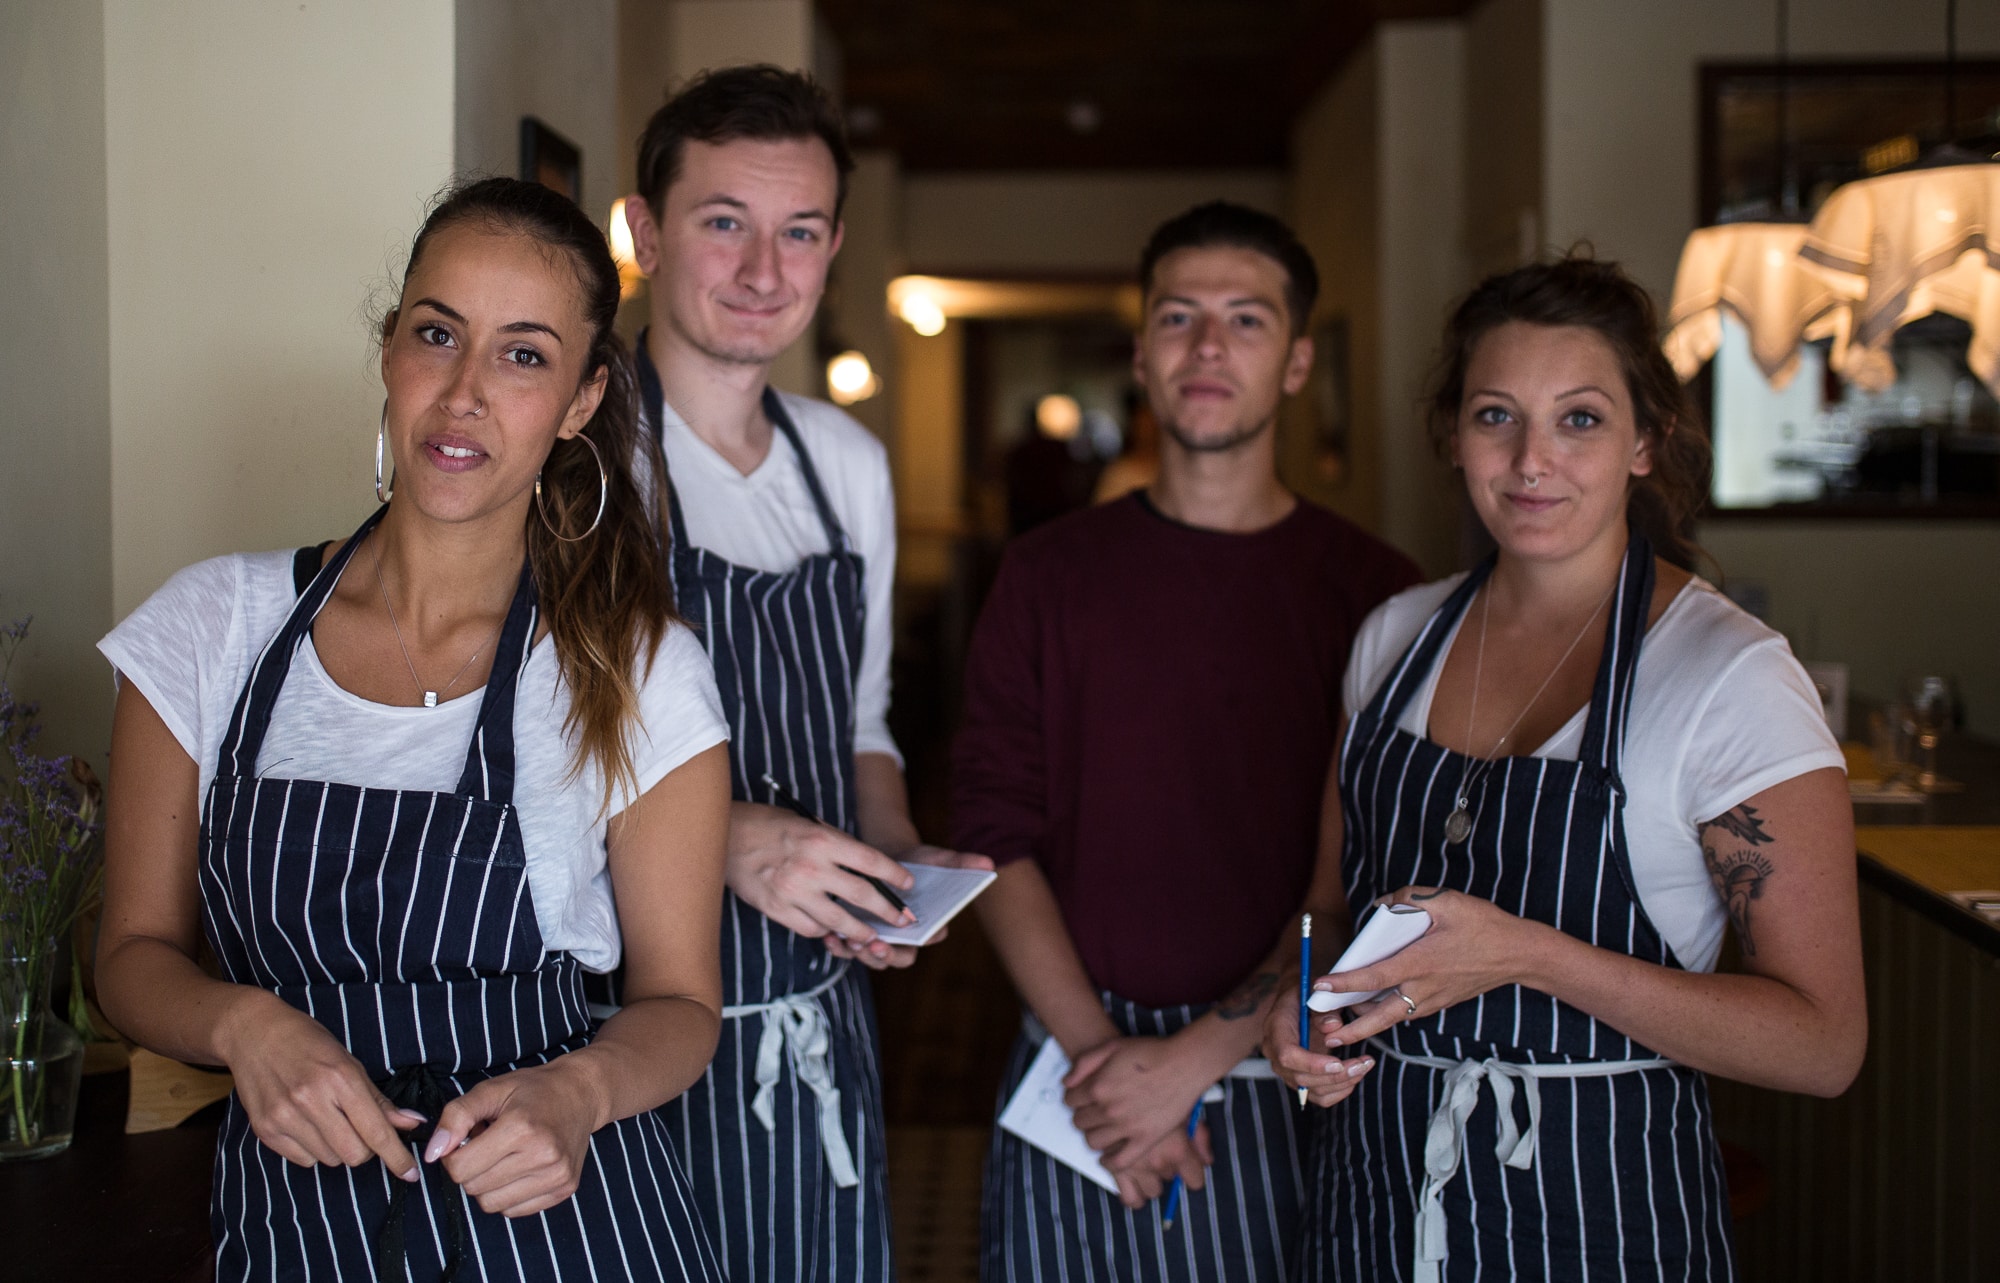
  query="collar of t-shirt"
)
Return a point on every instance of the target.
[{"x": 679, "y": 439}]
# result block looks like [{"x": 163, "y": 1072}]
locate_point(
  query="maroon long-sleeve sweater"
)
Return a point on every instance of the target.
[{"x": 1150, "y": 711}]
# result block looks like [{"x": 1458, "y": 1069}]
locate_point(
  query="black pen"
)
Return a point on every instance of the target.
[{"x": 781, "y": 797}]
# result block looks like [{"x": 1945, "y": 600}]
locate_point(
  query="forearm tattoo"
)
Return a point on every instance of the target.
[
  {"x": 1728, "y": 844},
  {"x": 1247, "y": 999}
]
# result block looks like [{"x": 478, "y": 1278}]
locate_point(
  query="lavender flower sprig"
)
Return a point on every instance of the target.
[{"x": 50, "y": 865}]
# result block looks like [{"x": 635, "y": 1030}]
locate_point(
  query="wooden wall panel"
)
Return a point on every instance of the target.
[{"x": 1899, "y": 1178}]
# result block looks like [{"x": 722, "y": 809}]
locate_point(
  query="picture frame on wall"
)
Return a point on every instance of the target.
[{"x": 550, "y": 159}]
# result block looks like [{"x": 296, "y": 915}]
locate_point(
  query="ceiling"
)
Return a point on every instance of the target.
[{"x": 1074, "y": 84}]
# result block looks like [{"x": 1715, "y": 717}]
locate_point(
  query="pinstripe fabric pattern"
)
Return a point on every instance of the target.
[
  {"x": 1626, "y": 1181},
  {"x": 786, "y": 647},
  {"x": 1041, "y": 1220},
  {"x": 402, "y": 921}
]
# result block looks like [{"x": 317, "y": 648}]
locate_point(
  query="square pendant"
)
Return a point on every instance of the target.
[{"x": 430, "y": 699}]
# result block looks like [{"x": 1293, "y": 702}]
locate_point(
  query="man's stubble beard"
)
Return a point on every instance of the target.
[
  {"x": 734, "y": 356},
  {"x": 1236, "y": 440}
]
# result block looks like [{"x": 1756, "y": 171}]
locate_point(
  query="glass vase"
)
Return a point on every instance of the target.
[{"x": 41, "y": 1061}]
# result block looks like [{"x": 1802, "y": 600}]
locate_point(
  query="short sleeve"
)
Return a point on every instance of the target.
[
  {"x": 679, "y": 708},
  {"x": 875, "y": 530},
  {"x": 1762, "y": 725},
  {"x": 175, "y": 647}
]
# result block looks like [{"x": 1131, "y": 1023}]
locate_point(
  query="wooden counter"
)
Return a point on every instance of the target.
[{"x": 1927, "y": 867}]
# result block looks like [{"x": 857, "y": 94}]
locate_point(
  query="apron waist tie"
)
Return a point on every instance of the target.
[
  {"x": 1444, "y": 1139},
  {"x": 795, "y": 1026},
  {"x": 423, "y": 1089}
]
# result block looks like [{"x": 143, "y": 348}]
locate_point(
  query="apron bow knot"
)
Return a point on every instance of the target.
[{"x": 795, "y": 1029}]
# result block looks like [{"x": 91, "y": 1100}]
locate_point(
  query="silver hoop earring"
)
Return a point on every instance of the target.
[
  {"x": 381, "y": 445},
  {"x": 603, "y": 496}
]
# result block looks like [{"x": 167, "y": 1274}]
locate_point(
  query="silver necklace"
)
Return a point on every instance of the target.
[
  {"x": 1458, "y": 825},
  {"x": 430, "y": 696}
]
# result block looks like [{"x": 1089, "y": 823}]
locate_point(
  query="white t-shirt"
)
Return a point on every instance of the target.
[
  {"x": 768, "y": 521},
  {"x": 190, "y": 647},
  {"x": 1721, "y": 711}
]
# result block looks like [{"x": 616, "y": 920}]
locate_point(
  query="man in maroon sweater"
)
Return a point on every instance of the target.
[{"x": 1152, "y": 700}]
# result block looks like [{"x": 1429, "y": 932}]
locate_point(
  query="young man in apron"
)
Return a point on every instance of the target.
[
  {"x": 1152, "y": 697},
  {"x": 784, "y": 552}
]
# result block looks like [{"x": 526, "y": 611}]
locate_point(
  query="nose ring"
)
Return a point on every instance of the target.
[{"x": 1530, "y": 481}]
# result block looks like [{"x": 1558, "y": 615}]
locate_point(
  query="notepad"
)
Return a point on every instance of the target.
[
  {"x": 1036, "y": 1113},
  {"x": 936, "y": 898},
  {"x": 1385, "y": 932}
]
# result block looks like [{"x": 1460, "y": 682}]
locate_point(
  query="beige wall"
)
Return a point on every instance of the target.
[
  {"x": 1503, "y": 134},
  {"x": 266, "y": 164},
  {"x": 1377, "y": 196},
  {"x": 555, "y": 60},
  {"x": 55, "y": 410},
  {"x": 1890, "y": 599},
  {"x": 1335, "y": 206},
  {"x": 721, "y": 33},
  {"x": 1076, "y": 224},
  {"x": 1422, "y": 221}
]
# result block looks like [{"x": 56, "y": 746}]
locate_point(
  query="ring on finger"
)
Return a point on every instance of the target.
[{"x": 1407, "y": 1002}]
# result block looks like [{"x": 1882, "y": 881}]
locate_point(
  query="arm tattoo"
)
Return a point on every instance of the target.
[
  {"x": 1737, "y": 870},
  {"x": 1248, "y": 998}
]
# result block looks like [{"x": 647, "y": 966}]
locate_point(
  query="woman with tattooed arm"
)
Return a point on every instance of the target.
[{"x": 1583, "y": 762}]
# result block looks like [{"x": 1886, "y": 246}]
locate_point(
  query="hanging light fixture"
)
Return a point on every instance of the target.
[
  {"x": 1911, "y": 241},
  {"x": 1748, "y": 265}
]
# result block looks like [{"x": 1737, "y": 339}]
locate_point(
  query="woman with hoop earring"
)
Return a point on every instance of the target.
[
  {"x": 1587, "y": 766},
  {"x": 412, "y": 785}
]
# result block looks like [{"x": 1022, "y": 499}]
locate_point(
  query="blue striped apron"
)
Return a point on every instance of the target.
[
  {"x": 402, "y": 921},
  {"x": 1512, "y": 1136},
  {"x": 784, "y": 1137},
  {"x": 1041, "y": 1219}
]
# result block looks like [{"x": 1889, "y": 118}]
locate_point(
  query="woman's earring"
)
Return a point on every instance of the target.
[
  {"x": 603, "y": 496},
  {"x": 381, "y": 446}
]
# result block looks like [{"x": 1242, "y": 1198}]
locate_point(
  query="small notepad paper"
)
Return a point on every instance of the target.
[
  {"x": 1385, "y": 932},
  {"x": 936, "y": 898},
  {"x": 1037, "y": 1114}
]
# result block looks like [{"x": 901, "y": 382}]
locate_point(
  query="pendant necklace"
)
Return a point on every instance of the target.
[
  {"x": 1458, "y": 825},
  {"x": 431, "y": 697}
]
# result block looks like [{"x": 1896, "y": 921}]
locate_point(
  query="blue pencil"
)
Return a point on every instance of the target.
[
  {"x": 1174, "y": 1194},
  {"x": 1305, "y": 987}
]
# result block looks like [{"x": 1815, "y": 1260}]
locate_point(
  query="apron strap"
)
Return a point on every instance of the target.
[
  {"x": 305, "y": 566},
  {"x": 1611, "y": 694},
  {"x": 489, "y": 766},
  {"x": 774, "y": 410},
  {"x": 1408, "y": 676},
  {"x": 237, "y": 755},
  {"x": 489, "y": 759},
  {"x": 653, "y": 399}
]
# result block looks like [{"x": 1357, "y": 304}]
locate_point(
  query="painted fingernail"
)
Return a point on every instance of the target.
[
  {"x": 412, "y": 1115},
  {"x": 1359, "y": 1068},
  {"x": 414, "y": 1175},
  {"x": 442, "y": 1143}
]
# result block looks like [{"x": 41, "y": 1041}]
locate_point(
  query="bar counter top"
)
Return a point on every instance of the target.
[{"x": 1949, "y": 844}]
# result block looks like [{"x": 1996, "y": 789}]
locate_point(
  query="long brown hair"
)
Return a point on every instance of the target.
[
  {"x": 606, "y": 597},
  {"x": 1580, "y": 290}
]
